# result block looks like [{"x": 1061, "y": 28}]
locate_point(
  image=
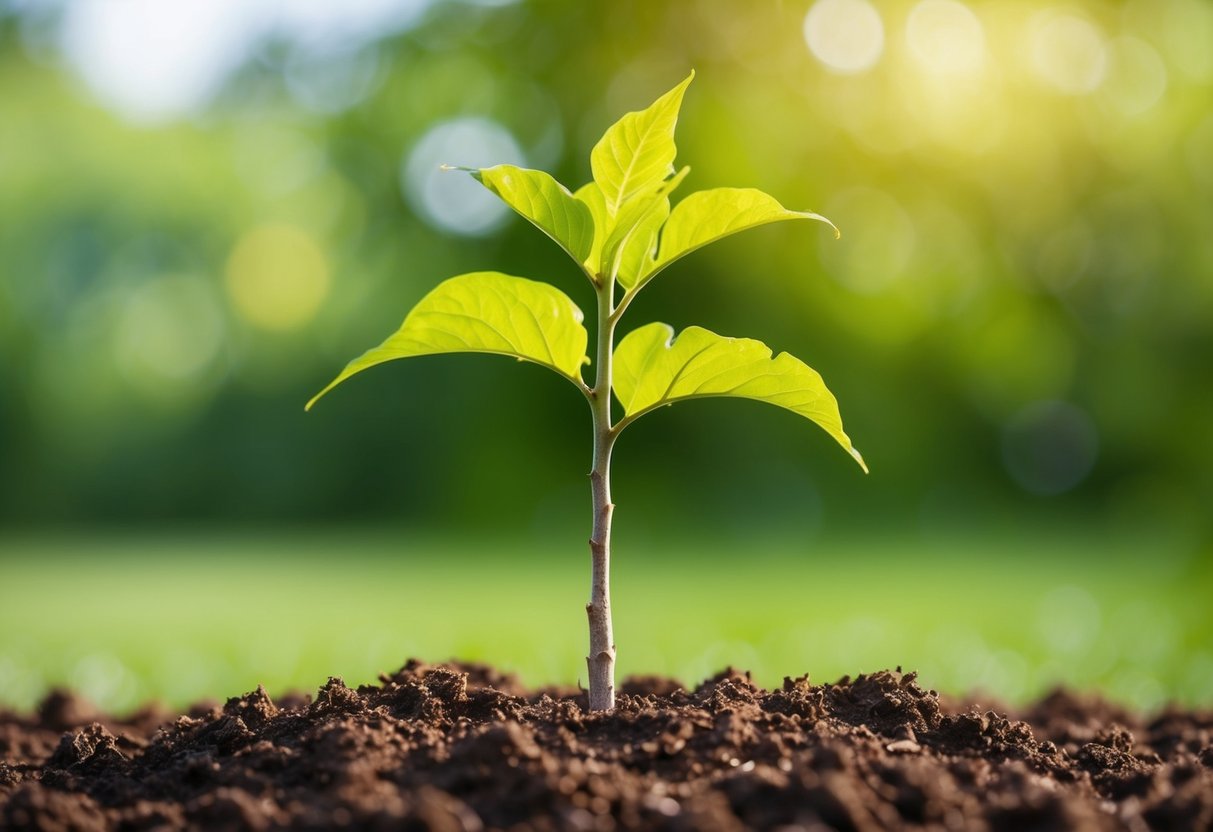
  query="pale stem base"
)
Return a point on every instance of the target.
[{"x": 601, "y": 661}]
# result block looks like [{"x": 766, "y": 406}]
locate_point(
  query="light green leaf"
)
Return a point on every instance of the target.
[
  {"x": 591, "y": 196},
  {"x": 487, "y": 312},
  {"x": 638, "y": 150},
  {"x": 654, "y": 369},
  {"x": 546, "y": 203},
  {"x": 707, "y": 216},
  {"x": 636, "y": 256},
  {"x": 634, "y": 231}
]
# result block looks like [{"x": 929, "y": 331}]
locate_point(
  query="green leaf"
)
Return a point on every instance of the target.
[
  {"x": 707, "y": 216},
  {"x": 638, "y": 150},
  {"x": 546, "y": 203},
  {"x": 487, "y": 312},
  {"x": 636, "y": 257},
  {"x": 634, "y": 232},
  {"x": 591, "y": 196},
  {"x": 654, "y": 369}
]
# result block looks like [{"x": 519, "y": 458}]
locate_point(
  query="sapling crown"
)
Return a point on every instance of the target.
[{"x": 621, "y": 231}]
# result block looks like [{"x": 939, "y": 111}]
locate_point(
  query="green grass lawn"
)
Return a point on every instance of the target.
[{"x": 186, "y": 617}]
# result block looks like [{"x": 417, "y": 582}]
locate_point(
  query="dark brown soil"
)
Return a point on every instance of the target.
[{"x": 463, "y": 748}]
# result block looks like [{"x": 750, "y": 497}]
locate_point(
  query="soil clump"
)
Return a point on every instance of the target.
[{"x": 463, "y": 747}]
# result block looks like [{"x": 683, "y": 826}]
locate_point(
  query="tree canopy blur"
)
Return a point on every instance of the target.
[{"x": 206, "y": 207}]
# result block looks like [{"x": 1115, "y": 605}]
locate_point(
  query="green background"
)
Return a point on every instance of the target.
[{"x": 1016, "y": 323}]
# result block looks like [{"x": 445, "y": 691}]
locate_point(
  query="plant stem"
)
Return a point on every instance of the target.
[{"x": 601, "y": 660}]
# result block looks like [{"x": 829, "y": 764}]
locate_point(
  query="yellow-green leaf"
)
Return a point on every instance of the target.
[
  {"x": 652, "y": 369},
  {"x": 634, "y": 230},
  {"x": 487, "y": 312},
  {"x": 637, "y": 253},
  {"x": 590, "y": 195},
  {"x": 638, "y": 150},
  {"x": 546, "y": 203},
  {"x": 707, "y": 216}
]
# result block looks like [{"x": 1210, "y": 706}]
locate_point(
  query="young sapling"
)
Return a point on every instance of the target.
[{"x": 621, "y": 231}]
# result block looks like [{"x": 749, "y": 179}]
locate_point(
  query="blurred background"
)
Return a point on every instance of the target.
[{"x": 208, "y": 206}]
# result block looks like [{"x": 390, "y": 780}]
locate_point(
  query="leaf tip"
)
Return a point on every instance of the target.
[
  {"x": 312, "y": 401},
  {"x": 826, "y": 220},
  {"x": 679, "y": 91},
  {"x": 859, "y": 458}
]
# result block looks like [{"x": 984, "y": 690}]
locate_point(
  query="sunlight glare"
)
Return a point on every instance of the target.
[{"x": 153, "y": 60}]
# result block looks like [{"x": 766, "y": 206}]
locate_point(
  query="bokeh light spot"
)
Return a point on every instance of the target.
[
  {"x": 1049, "y": 447},
  {"x": 1198, "y": 680},
  {"x": 452, "y": 200},
  {"x": 277, "y": 277},
  {"x": 329, "y": 81},
  {"x": 945, "y": 37},
  {"x": 1199, "y": 151},
  {"x": 1067, "y": 52},
  {"x": 274, "y": 159},
  {"x": 1146, "y": 630},
  {"x": 1182, "y": 30},
  {"x": 20, "y": 685},
  {"x": 184, "y": 674},
  {"x": 845, "y": 35},
  {"x": 151, "y": 59},
  {"x": 1068, "y": 619},
  {"x": 155, "y": 60},
  {"x": 169, "y": 329},
  {"x": 104, "y": 679},
  {"x": 1063, "y": 256},
  {"x": 1138, "y": 685},
  {"x": 1137, "y": 76},
  {"x": 879, "y": 242},
  {"x": 1017, "y": 354}
]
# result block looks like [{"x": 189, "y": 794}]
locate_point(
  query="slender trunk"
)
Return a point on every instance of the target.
[{"x": 601, "y": 660}]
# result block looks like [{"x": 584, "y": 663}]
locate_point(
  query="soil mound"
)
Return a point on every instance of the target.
[{"x": 462, "y": 747}]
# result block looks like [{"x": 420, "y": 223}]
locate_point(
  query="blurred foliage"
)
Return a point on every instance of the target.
[{"x": 1017, "y": 317}]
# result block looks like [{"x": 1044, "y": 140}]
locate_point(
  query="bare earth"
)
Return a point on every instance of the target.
[{"x": 462, "y": 747}]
